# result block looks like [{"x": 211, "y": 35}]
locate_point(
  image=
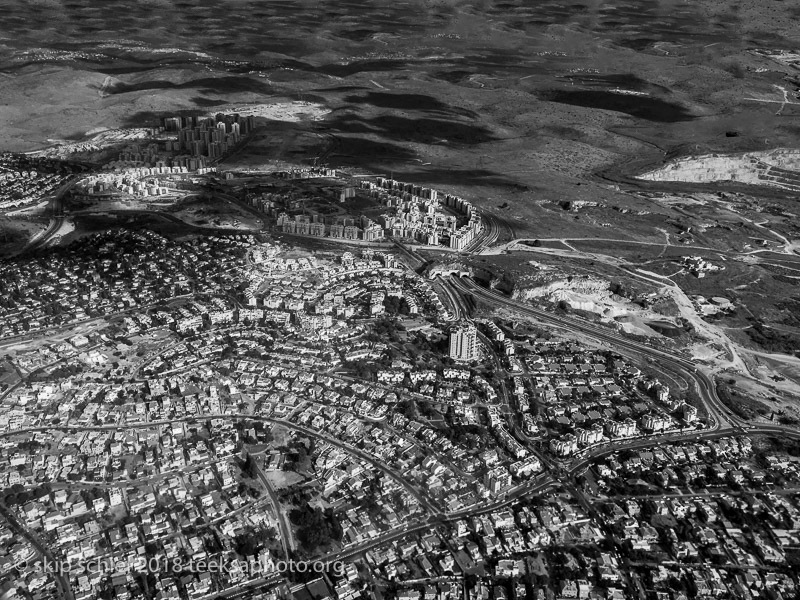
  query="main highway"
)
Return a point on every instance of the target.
[
  {"x": 287, "y": 540},
  {"x": 490, "y": 233},
  {"x": 55, "y": 210},
  {"x": 719, "y": 415}
]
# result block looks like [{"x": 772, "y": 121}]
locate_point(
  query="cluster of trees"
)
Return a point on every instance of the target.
[
  {"x": 427, "y": 410},
  {"x": 30, "y": 446},
  {"x": 244, "y": 489},
  {"x": 249, "y": 467},
  {"x": 366, "y": 369},
  {"x": 439, "y": 345},
  {"x": 396, "y": 305},
  {"x": 362, "y": 369},
  {"x": 253, "y": 432},
  {"x": 91, "y": 494},
  {"x": 385, "y": 329},
  {"x": 59, "y": 372},
  {"x": 406, "y": 408},
  {"x": 253, "y": 540},
  {"x": 315, "y": 527},
  {"x": 521, "y": 331},
  {"x": 299, "y": 455},
  {"x": 742, "y": 405},
  {"x": 471, "y": 436},
  {"x": 773, "y": 341},
  {"x": 19, "y": 496},
  {"x": 788, "y": 445}
]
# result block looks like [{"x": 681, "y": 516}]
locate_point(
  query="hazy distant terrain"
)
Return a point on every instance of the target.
[
  {"x": 513, "y": 101},
  {"x": 481, "y": 75}
]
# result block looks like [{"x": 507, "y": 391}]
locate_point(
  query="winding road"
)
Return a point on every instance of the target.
[{"x": 704, "y": 385}]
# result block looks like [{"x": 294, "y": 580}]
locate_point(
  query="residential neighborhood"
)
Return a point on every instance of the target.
[
  {"x": 227, "y": 400},
  {"x": 416, "y": 300},
  {"x": 309, "y": 409}
]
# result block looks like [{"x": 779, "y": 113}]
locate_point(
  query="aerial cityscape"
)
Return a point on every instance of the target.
[{"x": 425, "y": 300}]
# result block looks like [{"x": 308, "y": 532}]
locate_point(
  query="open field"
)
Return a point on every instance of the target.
[
  {"x": 214, "y": 213},
  {"x": 15, "y": 232}
]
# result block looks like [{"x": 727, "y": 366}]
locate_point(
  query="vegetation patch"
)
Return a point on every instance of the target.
[
  {"x": 315, "y": 527},
  {"x": 742, "y": 405},
  {"x": 772, "y": 340}
]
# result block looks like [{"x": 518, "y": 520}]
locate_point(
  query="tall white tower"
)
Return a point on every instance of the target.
[{"x": 464, "y": 343}]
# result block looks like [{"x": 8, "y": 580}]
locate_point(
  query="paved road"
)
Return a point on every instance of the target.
[
  {"x": 407, "y": 529},
  {"x": 287, "y": 539},
  {"x": 488, "y": 235},
  {"x": 411, "y": 254},
  {"x": 717, "y": 411},
  {"x": 450, "y": 300},
  {"x": 366, "y": 458},
  {"x": 723, "y": 422},
  {"x": 62, "y": 582},
  {"x": 421, "y": 498},
  {"x": 52, "y": 331},
  {"x": 55, "y": 210}
]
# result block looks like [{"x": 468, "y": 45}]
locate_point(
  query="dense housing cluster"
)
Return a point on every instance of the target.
[
  {"x": 419, "y": 215},
  {"x": 231, "y": 399},
  {"x": 26, "y": 180},
  {"x": 92, "y": 279}
]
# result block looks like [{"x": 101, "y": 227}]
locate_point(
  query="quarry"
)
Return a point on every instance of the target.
[
  {"x": 648, "y": 314},
  {"x": 775, "y": 168}
]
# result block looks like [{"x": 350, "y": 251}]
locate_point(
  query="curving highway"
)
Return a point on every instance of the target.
[
  {"x": 55, "y": 210},
  {"x": 719, "y": 415}
]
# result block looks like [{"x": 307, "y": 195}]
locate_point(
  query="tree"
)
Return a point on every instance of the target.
[
  {"x": 249, "y": 467},
  {"x": 406, "y": 408},
  {"x": 315, "y": 527}
]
